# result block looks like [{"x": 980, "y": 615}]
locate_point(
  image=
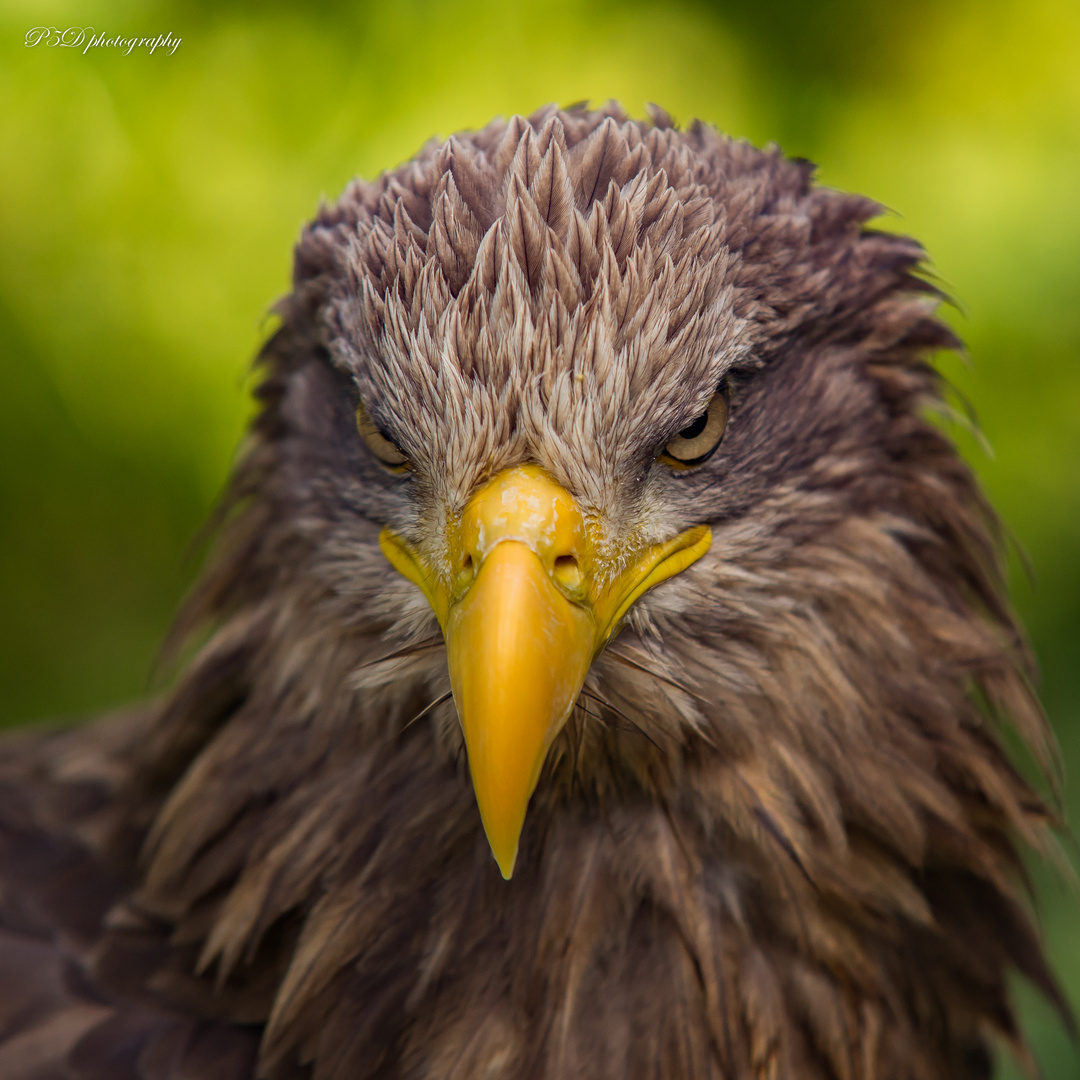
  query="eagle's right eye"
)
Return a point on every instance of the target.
[{"x": 383, "y": 448}]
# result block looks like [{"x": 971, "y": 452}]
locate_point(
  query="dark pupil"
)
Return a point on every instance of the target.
[{"x": 696, "y": 428}]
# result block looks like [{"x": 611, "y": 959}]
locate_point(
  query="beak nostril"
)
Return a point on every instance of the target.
[
  {"x": 465, "y": 576},
  {"x": 566, "y": 571}
]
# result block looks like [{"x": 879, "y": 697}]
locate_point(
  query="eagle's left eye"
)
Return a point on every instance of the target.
[
  {"x": 697, "y": 442},
  {"x": 386, "y": 451}
]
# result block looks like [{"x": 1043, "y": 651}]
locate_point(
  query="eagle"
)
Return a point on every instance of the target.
[{"x": 604, "y": 668}]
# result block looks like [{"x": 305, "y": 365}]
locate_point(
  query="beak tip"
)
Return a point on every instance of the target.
[{"x": 506, "y": 858}]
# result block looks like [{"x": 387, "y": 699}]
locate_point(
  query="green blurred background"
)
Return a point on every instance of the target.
[{"x": 148, "y": 205}]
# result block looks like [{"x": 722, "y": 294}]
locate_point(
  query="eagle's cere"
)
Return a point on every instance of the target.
[{"x": 591, "y": 535}]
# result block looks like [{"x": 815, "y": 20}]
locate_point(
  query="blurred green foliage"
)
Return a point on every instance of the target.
[{"x": 148, "y": 204}]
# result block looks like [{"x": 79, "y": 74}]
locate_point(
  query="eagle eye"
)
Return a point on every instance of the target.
[
  {"x": 697, "y": 442},
  {"x": 382, "y": 447}
]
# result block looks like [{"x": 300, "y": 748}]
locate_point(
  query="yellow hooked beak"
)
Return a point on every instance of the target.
[{"x": 529, "y": 607}]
